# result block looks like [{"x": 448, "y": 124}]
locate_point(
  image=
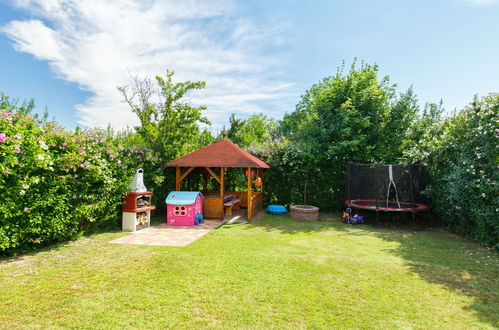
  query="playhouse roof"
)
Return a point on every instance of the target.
[
  {"x": 219, "y": 154},
  {"x": 182, "y": 197}
]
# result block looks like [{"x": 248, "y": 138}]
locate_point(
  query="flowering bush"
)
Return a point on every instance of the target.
[
  {"x": 55, "y": 184},
  {"x": 461, "y": 153}
]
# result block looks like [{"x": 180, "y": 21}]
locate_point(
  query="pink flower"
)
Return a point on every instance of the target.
[
  {"x": 17, "y": 149},
  {"x": 17, "y": 136},
  {"x": 26, "y": 209},
  {"x": 2, "y": 137},
  {"x": 76, "y": 175}
]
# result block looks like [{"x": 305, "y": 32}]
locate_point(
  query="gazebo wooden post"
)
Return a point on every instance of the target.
[
  {"x": 261, "y": 177},
  {"x": 249, "y": 194},
  {"x": 222, "y": 189},
  {"x": 261, "y": 188},
  {"x": 177, "y": 178}
]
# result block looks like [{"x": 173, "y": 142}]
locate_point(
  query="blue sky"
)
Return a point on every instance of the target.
[{"x": 256, "y": 56}]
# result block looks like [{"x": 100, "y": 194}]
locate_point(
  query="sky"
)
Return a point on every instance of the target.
[{"x": 254, "y": 55}]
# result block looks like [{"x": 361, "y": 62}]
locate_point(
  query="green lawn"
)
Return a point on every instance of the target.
[{"x": 274, "y": 273}]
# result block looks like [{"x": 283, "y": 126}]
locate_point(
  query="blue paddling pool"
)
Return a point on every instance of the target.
[{"x": 276, "y": 209}]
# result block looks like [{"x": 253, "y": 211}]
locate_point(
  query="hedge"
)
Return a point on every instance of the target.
[{"x": 56, "y": 184}]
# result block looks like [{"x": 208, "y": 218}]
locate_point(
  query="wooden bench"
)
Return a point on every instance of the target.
[{"x": 231, "y": 202}]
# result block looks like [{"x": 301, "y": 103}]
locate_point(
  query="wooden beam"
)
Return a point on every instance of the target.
[
  {"x": 222, "y": 188},
  {"x": 213, "y": 174},
  {"x": 261, "y": 189},
  {"x": 261, "y": 177},
  {"x": 249, "y": 194},
  {"x": 186, "y": 173},
  {"x": 177, "y": 178}
]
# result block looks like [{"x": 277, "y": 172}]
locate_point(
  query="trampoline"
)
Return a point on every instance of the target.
[{"x": 387, "y": 188}]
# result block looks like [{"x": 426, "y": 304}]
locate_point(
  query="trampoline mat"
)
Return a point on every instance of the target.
[{"x": 385, "y": 206}]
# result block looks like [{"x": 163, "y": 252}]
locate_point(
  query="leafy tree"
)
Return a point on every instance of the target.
[
  {"x": 349, "y": 117},
  {"x": 431, "y": 114},
  {"x": 170, "y": 128},
  {"x": 253, "y": 131},
  {"x": 8, "y": 104},
  {"x": 356, "y": 113},
  {"x": 205, "y": 138}
]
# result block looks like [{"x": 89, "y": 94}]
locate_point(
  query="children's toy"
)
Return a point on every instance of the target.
[
  {"x": 276, "y": 209},
  {"x": 347, "y": 218},
  {"x": 356, "y": 219},
  {"x": 199, "y": 219},
  {"x": 184, "y": 208},
  {"x": 346, "y": 215}
]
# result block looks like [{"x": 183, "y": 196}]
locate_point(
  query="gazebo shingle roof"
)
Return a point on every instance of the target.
[{"x": 219, "y": 154}]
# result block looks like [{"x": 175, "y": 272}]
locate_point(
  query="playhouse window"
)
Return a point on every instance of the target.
[{"x": 179, "y": 210}]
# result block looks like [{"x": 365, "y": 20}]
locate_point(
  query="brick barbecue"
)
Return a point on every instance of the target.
[{"x": 137, "y": 208}]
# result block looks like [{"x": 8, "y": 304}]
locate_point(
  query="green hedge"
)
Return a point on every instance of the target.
[
  {"x": 461, "y": 153},
  {"x": 55, "y": 184}
]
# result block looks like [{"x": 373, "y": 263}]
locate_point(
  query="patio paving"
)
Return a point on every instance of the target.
[{"x": 166, "y": 235}]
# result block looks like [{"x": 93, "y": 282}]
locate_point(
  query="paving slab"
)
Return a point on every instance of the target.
[{"x": 167, "y": 235}]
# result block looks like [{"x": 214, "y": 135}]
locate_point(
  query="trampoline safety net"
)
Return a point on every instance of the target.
[{"x": 387, "y": 187}]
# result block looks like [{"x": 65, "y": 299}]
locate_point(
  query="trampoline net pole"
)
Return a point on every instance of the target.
[
  {"x": 411, "y": 184},
  {"x": 349, "y": 164},
  {"x": 377, "y": 190}
]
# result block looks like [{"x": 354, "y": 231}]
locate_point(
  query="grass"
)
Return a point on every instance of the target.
[{"x": 275, "y": 273}]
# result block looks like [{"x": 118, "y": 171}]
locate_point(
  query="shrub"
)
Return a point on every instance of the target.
[
  {"x": 55, "y": 184},
  {"x": 462, "y": 156}
]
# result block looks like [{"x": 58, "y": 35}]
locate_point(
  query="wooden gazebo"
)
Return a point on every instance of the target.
[{"x": 215, "y": 159}]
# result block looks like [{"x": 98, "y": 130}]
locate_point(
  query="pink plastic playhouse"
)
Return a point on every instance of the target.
[{"x": 184, "y": 208}]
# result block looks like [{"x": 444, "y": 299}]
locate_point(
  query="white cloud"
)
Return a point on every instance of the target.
[
  {"x": 96, "y": 43},
  {"x": 35, "y": 38}
]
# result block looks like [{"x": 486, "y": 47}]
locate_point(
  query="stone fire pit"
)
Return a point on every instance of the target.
[{"x": 304, "y": 212}]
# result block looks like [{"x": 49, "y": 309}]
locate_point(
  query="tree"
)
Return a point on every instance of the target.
[
  {"x": 26, "y": 107},
  {"x": 353, "y": 116},
  {"x": 349, "y": 117},
  {"x": 170, "y": 128},
  {"x": 205, "y": 138},
  {"x": 253, "y": 131},
  {"x": 431, "y": 114}
]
